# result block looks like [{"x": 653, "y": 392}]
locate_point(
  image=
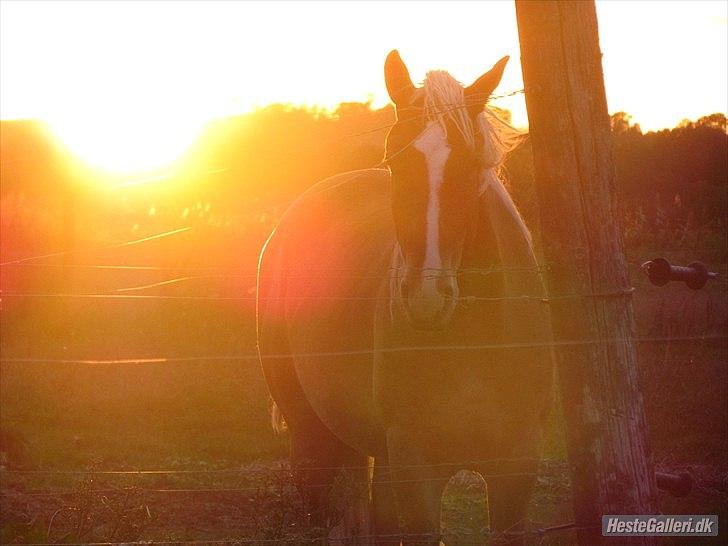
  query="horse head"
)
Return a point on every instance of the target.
[{"x": 440, "y": 152}]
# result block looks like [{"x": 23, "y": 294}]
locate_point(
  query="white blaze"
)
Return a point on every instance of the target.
[{"x": 433, "y": 145}]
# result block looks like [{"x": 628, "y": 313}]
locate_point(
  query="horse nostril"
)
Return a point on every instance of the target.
[
  {"x": 446, "y": 287},
  {"x": 404, "y": 290}
]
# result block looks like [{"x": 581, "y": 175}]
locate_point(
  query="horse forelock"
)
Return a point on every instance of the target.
[
  {"x": 444, "y": 100},
  {"x": 445, "y": 103}
]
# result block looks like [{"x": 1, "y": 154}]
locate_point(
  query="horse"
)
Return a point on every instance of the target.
[{"x": 401, "y": 325}]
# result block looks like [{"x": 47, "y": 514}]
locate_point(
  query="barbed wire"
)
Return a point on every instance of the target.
[
  {"x": 333, "y": 274},
  {"x": 106, "y": 247},
  {"x": 626, "y": 292},
  {"x": 276, "y": 487},
  {"x": 24, "y": 262},
  {"x": 476, "y": 100},
  {"x": 238, "y": 272},
  {"x": 252, "y": 273},
  {"x": 396, "y": 274},
  {"x": 361, "y": 352},
  {"x": 251, "y": 489},
  {"x": 411, "y": 538},
  {"x": 322, "y": 274},
  {"x": 284, "y": 469}
]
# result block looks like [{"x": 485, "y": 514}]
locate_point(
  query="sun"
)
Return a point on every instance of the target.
[{"x": 126, "y": 140}]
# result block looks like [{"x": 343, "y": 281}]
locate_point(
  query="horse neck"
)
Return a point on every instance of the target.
[{"x": 500, "y": 241}]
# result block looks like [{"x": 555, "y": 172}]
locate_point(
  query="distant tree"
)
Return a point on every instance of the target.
[
  {"x": 713, "y": 121},
  {"x": 622, "y": 123},
  {"x": 671, "y": 178}
]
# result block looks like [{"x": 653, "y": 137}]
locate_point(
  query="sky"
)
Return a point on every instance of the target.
[{"x": 97, "y": 69}]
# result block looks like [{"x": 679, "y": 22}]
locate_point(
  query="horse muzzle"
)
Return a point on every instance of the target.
[{"x": 429, "y": 301}]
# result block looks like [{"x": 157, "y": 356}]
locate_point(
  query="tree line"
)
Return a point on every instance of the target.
[{"x": 672, "y": 183}]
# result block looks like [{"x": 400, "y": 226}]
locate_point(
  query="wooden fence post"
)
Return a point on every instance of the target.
[{"x": 609, "y": 457}]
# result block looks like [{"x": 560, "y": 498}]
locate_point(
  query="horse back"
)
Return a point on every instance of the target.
[{"x": 320, "y": 280}]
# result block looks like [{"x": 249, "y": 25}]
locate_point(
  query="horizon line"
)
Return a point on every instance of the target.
[{"x": 330, "y": 111}]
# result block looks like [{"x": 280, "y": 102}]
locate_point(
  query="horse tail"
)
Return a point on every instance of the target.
[{"x": 276, "y": 419}]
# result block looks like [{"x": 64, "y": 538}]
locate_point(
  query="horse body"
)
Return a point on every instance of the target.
[
  {"x": 356, "y": 376},
  {"x": 330, "y": 254}
]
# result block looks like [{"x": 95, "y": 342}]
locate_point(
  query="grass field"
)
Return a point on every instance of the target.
[
  {"x": 204, "y": 411},
  {"x": 212, "y": 415}
]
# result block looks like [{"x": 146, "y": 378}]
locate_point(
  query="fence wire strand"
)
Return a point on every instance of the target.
[
  {"x": 411, "y": 538},
  {"x": 283, "y": 469},
  {"x": 416, "y": 348},
  {"x": 624, "y": 292},
  {"x": 106, "y": 247}
]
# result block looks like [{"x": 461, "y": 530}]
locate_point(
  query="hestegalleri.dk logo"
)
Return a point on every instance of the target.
[{"x": 703, "y": 525}]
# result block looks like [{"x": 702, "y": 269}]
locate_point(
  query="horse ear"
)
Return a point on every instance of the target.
[
  {"x": 477, "y": 94},
  {"x": 397, "y": 78}
]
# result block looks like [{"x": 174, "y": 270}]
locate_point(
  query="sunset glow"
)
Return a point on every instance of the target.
[
  {"x": 126, "y": 140},
  {"x": 128, "y": 85},
  {"x": 248, "y": 297}
]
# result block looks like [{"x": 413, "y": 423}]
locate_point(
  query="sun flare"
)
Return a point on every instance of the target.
[
  {"x": 126, "y": 141},
  {"x": 127, "y": 86}
]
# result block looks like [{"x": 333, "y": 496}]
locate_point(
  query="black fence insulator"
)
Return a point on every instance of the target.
[
  {"x": 678, "y": 485},
  {"x": 660, "y": 272}
]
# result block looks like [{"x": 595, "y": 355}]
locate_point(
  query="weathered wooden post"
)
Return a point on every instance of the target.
[{"x": 611, "y": 464}]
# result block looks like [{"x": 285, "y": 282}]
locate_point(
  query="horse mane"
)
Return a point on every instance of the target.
[{"x": 444, "y": 101}]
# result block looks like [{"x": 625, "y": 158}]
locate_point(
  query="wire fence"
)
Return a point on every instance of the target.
[
  {"x": 70, "y": 498},
  {"x": 373, "y": 351},
  {"x": 411, "y": 538},
  {"x": 626, "y": 292},
  {"x": 390, "y": 471},
  {"x": 532, "y": 529},
  {"x": 444, "y": 465}
]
